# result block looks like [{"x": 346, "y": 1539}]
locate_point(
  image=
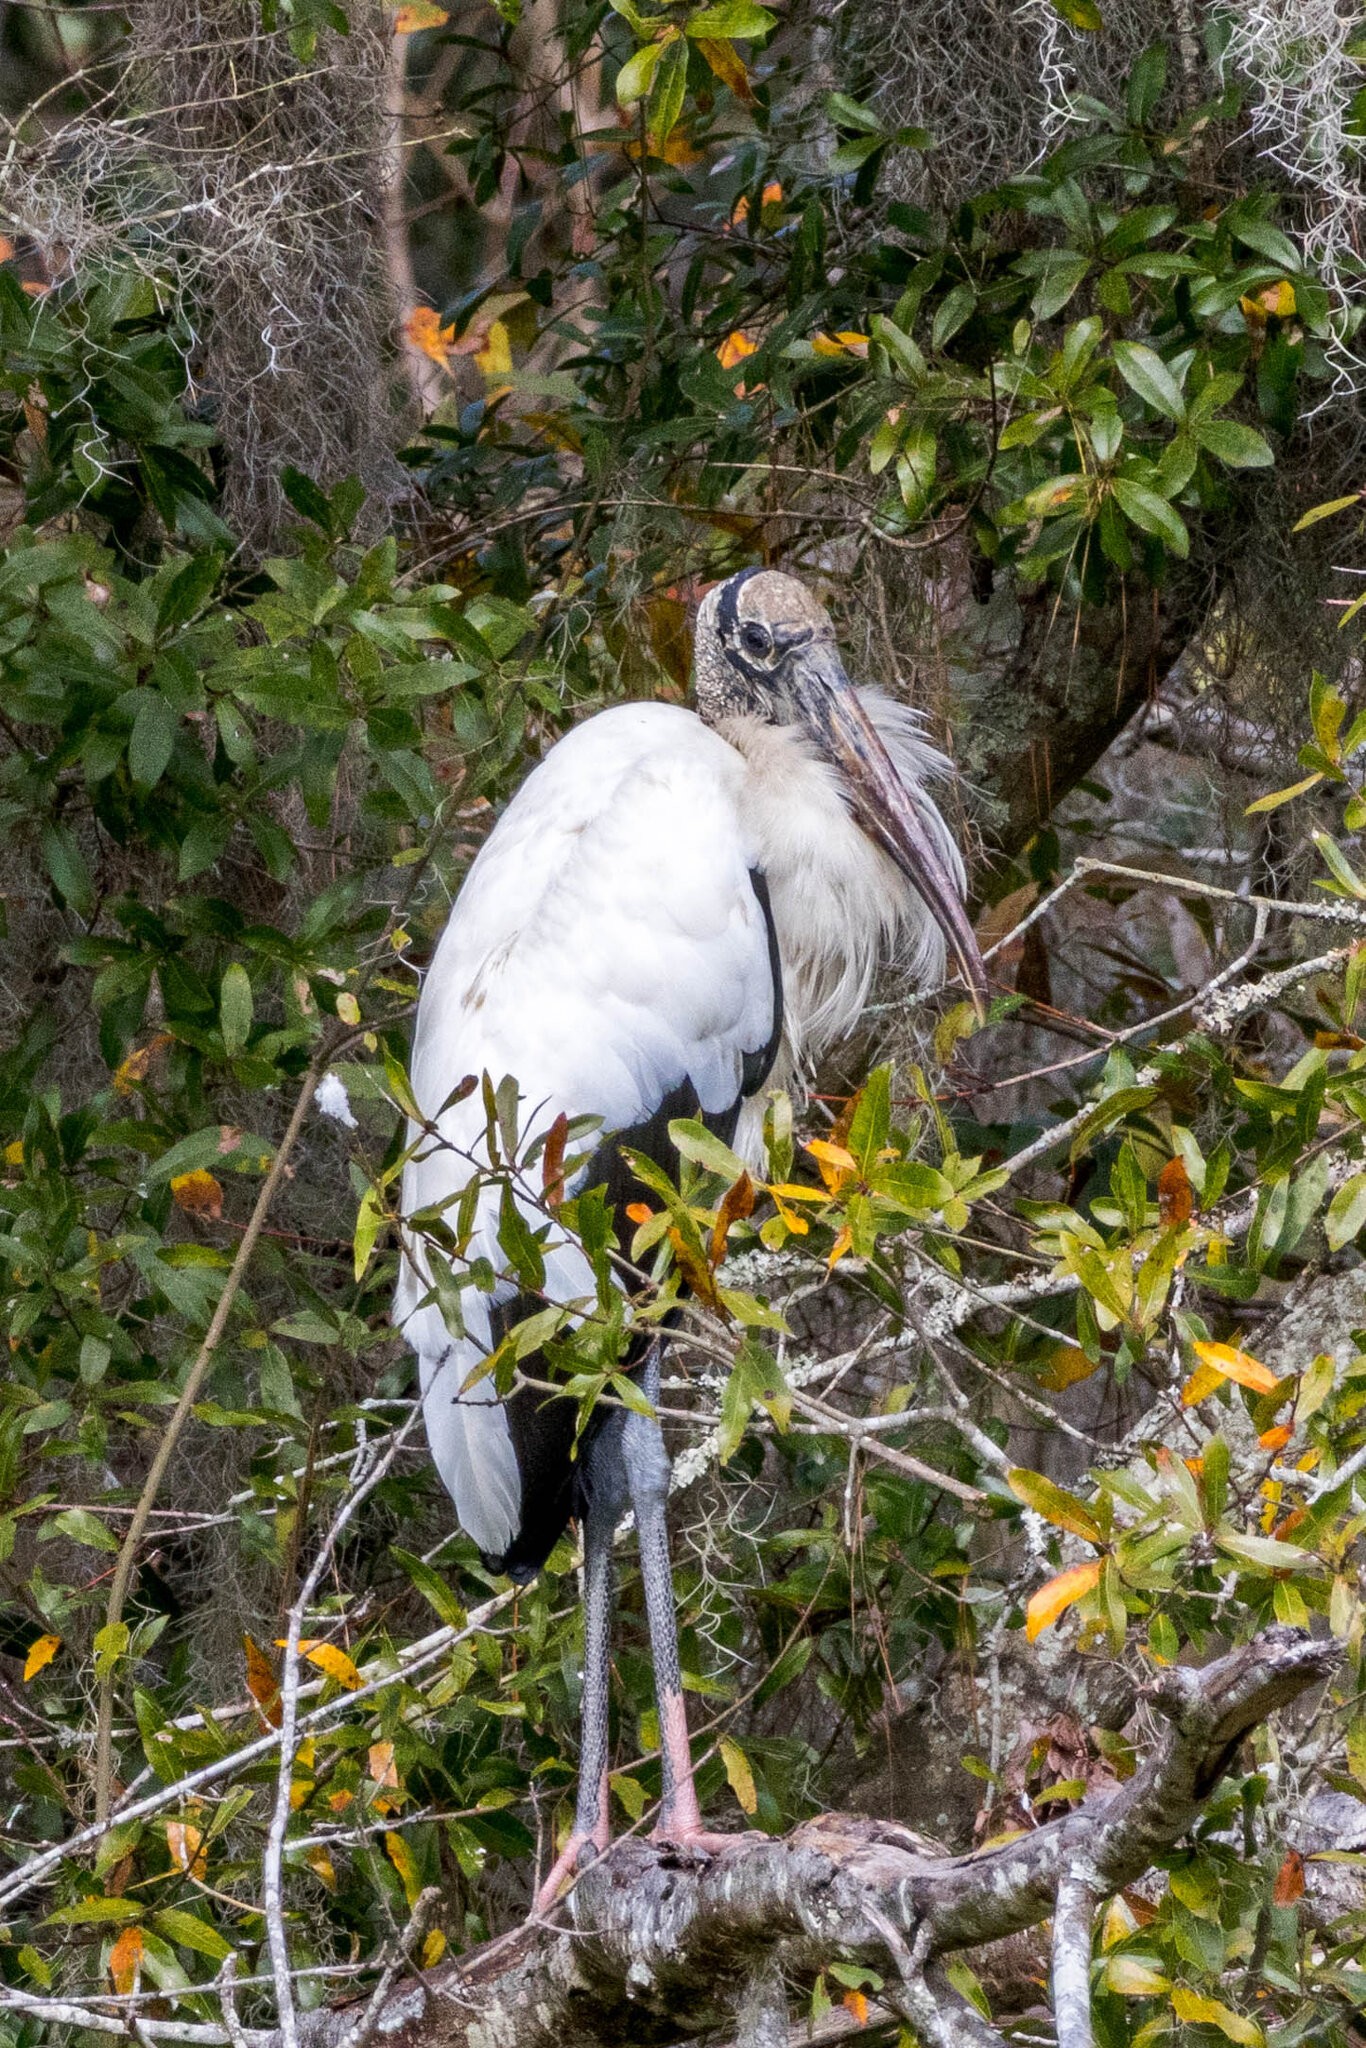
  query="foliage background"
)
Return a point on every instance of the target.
[{"x": 350, "y": 453}]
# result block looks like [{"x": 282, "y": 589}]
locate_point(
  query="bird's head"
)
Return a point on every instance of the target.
[{"x": 766, "y": 649}]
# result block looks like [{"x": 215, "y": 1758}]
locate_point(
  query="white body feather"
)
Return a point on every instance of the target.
[{"x": 608, "y": 946}]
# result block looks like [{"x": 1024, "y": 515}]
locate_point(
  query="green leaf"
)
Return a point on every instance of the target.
[
  {"x": 1240, "y": 447},
  {"x": 1146, "y": 82},
  {"x": 1346, "y": 1213},
  {"x": 729, "y": 19},
  {"x": 692, "y": 1140},
  {"x": 1268, "y": 241},
  {"x": 637, "y": 74},
  {"x": 191, "y": 1932},
  {"x": 66, "y": 865},
  {"x": 187, "y": 592},
  {"x": 667, "y": 95},
  {"x": 83, "y": 1527},
  {"x": 370, "y": 1220},
  {"x": 235, "y": 1008},
  {"x": 1066, "y": 269},
  {"x": 432, "y": 1587},
  {"x": 94, "y": 1912},
  {"x": 152, "y": 740},
  {"x": 1153, "y": 514},
  {"x": 1144, "y": 371}
]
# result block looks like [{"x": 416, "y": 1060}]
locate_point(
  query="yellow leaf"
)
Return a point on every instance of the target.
[
  {"x": 184, "y": 1841},
  {"x": 320, "y": 1863},
  {"x": 329, "y": 1659},
  {"x": 405, "y": 1863},
  {"x": 856, "y": 2002},
  {"x": 1063, "y": 1509},
  {"x": 198, "y": 1194},
  {"x": 420, "y": 14},
  {"x": 845, "y": 343},
  {"x": 125, "y": 1960},
  {"x": 433, "y": 1948},
  {"x": 134, "y": 1069},
  {"x": 14, "y": 1153},
  {"x": 495, "y": 357},
  {"x": 40, "y": 1655},
  {"x": 1235, "y": 2026},
  {"x": 725, "y": 60},
  {"x": 1067, "y": 1364},
  {"x": 739, "y": 1776},
  {"x": 1058, "y": 1595},
  {"x": 1204, "y": 1381},
  {"x": 1236, "y": 1365}
]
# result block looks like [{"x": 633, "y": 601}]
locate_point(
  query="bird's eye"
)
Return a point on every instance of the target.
[{"x": 756, "y": 640}]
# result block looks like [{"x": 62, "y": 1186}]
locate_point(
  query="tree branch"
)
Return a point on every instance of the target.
[{"x": 664, "y": 1947}]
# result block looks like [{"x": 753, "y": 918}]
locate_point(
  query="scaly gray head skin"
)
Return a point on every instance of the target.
[{"x": 766, "y": 649}]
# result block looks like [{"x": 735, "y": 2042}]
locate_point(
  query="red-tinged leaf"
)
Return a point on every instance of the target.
[
  {"x": 1289, "y": 1884},
  {"x": 737, "y": 1203},
  {"x": 125, "y": 1960},
  {"x": 725, "y": 60},
  {"x": 262, "y": 1683},
  {"x": 198, "y": 1194},
  {"x": 1175, "y": 1197},
  {"x": 418, "y": 15},
  {"x": 552, "y": 1162},
  {"x": 1058, "y": 1595},
  {"x": 696, "y": 1272}
]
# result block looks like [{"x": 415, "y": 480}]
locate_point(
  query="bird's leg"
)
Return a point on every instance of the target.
[
  {"x": 592, "y": 1823},
  {"x": 647, "y": 1477}
]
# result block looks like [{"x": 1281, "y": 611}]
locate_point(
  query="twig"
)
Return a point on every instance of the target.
[
  {"x": 272, "y": 1868},
  {"x": 137, "y": 1528},
  {"x": 1073, "y": 1913},
  {"x": 424, "y": 1907}
]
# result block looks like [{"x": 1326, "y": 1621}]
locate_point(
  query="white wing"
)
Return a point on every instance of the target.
[{"x": 608, "y": 948}]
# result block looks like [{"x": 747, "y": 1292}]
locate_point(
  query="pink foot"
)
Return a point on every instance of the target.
[
  {"x": 691, "y": 1839},
  {"x": 566, "y": 1866}
]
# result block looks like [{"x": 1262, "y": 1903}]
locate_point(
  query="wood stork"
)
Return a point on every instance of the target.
[{"x": 675, "y": 909}]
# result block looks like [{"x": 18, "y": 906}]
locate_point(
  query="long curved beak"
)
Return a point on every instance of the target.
[{"x": 886, "y": 810}]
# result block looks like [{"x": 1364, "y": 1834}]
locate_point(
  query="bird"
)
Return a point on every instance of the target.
[{"x": 677, "y": 911}]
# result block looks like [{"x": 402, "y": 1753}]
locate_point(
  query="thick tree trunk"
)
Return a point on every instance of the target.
[{"x": 663, "y": 1949}]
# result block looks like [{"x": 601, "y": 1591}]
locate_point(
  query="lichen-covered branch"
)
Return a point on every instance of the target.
[{"x": 659, "y": 1947}]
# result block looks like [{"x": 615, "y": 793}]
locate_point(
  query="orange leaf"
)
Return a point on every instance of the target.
[
  {"x": 736, "y": 346},
  {"x": 639, "y": 1212},
  {"x": 1275, "y": 1439},
  {"x": 1236, "y": 1365},
  {"x": 198, "y": 1194},
  {"x": 1175, "y": 1199},
  {"x": 184, "y": 1841},
  {"x": 725, "y": 60},
  {"x": 1289, "y": 1884},
  {"x": 6, "y": 248},
  {"x": 40, "y": 1655},
  {"x": 695, "y": 1271},
  {"x": 125, "y": 1960},
  {"x": 1058, "y": 1595},
  {"x": 423, "y": 328},
  {"x": 420, "y": 14},
  {"x": 737, "y": 1203},
  {"x": 262, "y": 1683},
  {"x": 856, "y": 2002},
  {"x": 552, "y": 1162},
  {"x": 841, "y": 1245},
  {"x": 130, "y": 1072},
  {"x": 381, "y": 1763}
]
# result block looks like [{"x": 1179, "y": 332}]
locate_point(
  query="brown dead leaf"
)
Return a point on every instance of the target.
[
  {"x": 198, "y": 1194},
  {"x": 1175, "y": 1197}
]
